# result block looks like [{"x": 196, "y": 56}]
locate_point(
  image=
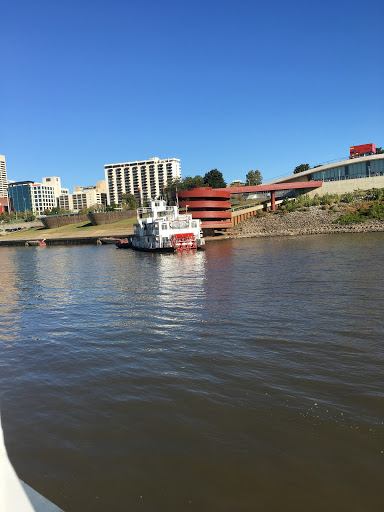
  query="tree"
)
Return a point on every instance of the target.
[
  {"x": 112, "y": 207},
  {"x": 5, "y": 216},
  {"x": 196, "y": 182},
  {"x": 56, "y": 210},
  {"x": 172, "y": 186},
  {"x": 301, "y": 168},
  {"x": 95, "y": 208},
  {"x": 29, "y": 216},
  {"x": 129, "y": 201},
  {"x": 254, "y": 178},
  {"x": 379, "y": 151},
  {"x": 214, "y": 179}
]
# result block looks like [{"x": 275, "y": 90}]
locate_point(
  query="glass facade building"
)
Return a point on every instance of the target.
[
  {"x": 366, "y": 169},
  {"x": 20, "y": 196}
]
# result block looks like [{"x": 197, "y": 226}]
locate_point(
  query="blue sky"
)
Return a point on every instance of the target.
[{"x": 228, "y": 85}]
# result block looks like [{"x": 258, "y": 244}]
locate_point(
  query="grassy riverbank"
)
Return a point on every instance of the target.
[{"x": 80, "y": 230}]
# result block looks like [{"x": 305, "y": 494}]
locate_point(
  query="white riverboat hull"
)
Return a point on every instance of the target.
[{"x": 162, "y": 228}]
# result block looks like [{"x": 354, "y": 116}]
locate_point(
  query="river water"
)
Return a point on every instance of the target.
[{"x": 246, "y": 377}]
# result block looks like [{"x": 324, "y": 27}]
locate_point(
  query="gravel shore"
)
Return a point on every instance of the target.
[{"x": 311, "y": 222}]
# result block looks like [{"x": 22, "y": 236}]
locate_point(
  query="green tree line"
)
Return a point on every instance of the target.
[
  {"x": 27, "y": 216},
  {"x": 213, "y": 179}
]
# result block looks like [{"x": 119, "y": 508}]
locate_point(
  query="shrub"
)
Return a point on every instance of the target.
[
  {"x": 327, "y": 199},
  {"x": 363, "y": 212},
  {"x": 376, "y": 193},
  {"x": 304, "y": 200},
  {"x": 359, "y": 193},
  {"x": 377, "y": 210},
  {"x": 348, "y": 197},
  {"x": 291, "y": 206},
  {"x": 349, "y": 218},
  {"x": 288, "y": 206}
]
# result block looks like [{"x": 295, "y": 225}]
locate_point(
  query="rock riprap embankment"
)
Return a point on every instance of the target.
[{"x": 314, "y": 221}]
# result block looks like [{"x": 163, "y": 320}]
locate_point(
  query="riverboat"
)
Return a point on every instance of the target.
[{"x": 162, "y": 228}]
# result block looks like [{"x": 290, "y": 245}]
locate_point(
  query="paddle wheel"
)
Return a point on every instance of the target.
[{"x": 183, "y": 242}]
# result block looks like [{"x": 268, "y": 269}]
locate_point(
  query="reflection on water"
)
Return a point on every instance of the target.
[
  {"x": 10, "y": 294},
  {"x": 251, "y": 373}
]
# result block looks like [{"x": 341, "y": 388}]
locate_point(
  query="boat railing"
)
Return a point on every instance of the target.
[{"x": 167, "y": 212}]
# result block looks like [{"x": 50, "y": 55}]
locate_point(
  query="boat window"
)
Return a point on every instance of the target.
[
  {"x": 164, "y": 226},
  {"x": 193, "y": 224}
]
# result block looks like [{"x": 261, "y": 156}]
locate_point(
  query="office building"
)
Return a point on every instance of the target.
[
  {"x": 85, "y": 197},
  {"x": 144, "y": 179},
  {"x": 20, "y": 196},
  {"x": 35, "y": 197}
]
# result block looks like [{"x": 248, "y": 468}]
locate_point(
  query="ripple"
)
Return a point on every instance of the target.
[{"x": 212, "y": 378}]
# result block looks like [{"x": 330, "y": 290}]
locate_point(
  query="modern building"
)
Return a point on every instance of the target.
[
  {"x": 3, "y": 177},
  {"x": 85, "y": 197},
  {"x": 43, "y": 197},
  {"x": 20, "y": 196},
  {"x": 35, "y": 197},
  {"x": 144, "y": 179},
  {"x": 362, "y": 173}
]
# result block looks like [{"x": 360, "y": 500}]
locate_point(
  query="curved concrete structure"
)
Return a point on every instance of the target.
[{"x": 211, "y": 206}]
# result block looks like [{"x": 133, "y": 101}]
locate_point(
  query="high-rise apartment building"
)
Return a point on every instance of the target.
[
  {"x": 144, "y": 179},
  {"x": 3, "y": 177}
]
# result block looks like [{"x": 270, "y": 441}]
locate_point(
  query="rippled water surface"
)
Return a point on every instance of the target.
[{"x": 246, "y": 377}]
